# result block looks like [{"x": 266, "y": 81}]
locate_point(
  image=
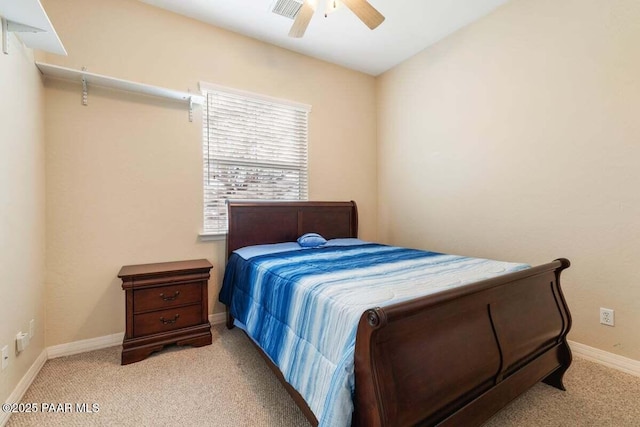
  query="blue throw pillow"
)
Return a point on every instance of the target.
[{"x": 311, "y": 240}]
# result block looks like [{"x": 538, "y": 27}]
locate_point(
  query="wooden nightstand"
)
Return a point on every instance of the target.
[{"x": 166, "y": 303}]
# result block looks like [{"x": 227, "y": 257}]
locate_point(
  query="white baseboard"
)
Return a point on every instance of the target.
[
  {"x": 611, "y": 360},
  {"x": 24, "y": 384},
  {"x": 217, "y": 318},
  {"x": 82, "y": 346}
]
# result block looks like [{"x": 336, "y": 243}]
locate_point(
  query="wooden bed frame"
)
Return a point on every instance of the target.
[{"x": 454, "y": 358}]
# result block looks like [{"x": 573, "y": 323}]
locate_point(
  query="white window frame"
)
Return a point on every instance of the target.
[{"x": 212, "y": 194}]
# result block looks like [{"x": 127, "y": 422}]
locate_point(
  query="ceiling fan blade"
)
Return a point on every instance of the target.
[
  {"x": 367, "y": 13},
  {"x": 302, "y": 19}
]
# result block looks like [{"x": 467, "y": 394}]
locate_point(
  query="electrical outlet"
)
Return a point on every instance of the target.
[
  {"x": 32, "y": 328},
  {"x": 5, "y": 356},
  {"x": 606, "y": 316}
]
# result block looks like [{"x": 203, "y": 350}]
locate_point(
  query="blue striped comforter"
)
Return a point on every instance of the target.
[{"x": 302, "y": 307}]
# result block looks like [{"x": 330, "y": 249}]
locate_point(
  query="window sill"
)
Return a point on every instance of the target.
[{"x": 211, "y": 237}]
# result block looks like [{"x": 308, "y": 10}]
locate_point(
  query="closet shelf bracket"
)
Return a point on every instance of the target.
[
  {"x": 14, "y": 27},
  {"x": 29, "y": 21},
  {"x": 85, "y": 95}
]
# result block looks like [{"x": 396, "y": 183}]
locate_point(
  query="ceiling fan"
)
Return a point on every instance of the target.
[{"x": 361, "y": 8}]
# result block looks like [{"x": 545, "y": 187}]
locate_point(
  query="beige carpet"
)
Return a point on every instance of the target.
[{"x": 228, "y": 384}]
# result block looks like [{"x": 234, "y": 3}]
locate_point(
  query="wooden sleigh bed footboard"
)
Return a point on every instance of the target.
[
  {"x": 453, "y": 358},
  {"x": 456, "y": 358}
]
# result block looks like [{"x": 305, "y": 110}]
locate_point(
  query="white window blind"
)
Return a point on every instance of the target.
[{"x": 255, "y": 148}]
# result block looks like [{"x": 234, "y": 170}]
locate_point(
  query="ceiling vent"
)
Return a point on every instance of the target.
[{"x": 287, "y": 8}]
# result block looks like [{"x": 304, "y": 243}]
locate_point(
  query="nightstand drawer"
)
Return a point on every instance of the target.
[
  {"x": 167, "y": 320},
  {"x": 166, "y": 296}
]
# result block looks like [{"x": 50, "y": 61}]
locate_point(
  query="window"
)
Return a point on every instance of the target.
[{"x": 255, "y": 148}]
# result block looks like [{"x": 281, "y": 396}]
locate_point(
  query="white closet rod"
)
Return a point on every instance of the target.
[{"x": 86, "y": 78}]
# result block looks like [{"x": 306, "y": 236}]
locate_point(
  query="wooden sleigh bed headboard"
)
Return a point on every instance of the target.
[
  {"x": 451, "y": 358},
  {"x": 257, "y": 223}
]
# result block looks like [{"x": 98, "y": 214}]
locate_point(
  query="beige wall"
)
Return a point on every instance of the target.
[
  {"x": 124, "y": 174},
  {"x": 518, "y": 138},
  {"x": 22, "y": 210}
]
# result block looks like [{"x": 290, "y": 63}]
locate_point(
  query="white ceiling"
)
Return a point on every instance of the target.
[{"x": 341, "y": 38}]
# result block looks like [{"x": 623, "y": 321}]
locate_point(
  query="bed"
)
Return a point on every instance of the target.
[{"x": 451, "y": 358}]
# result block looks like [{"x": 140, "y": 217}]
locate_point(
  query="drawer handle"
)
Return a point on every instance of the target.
[
  {"x": 170, "y": 298},
  {"x": 168, "y": 321}
]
